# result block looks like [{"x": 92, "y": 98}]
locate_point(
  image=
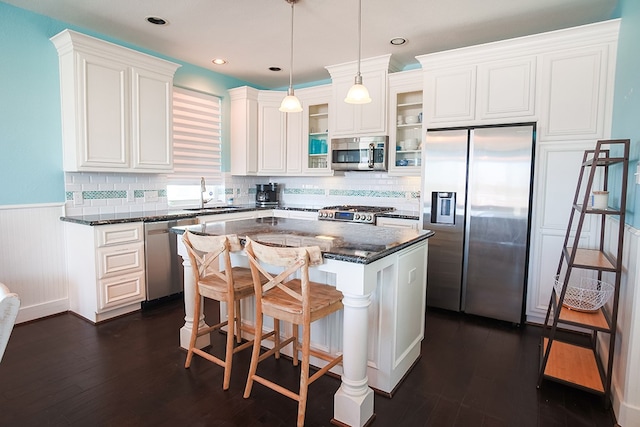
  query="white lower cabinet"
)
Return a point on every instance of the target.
[
  {"x": 105, "y": 267},
  {"x": 396, "y": 313},
  {"x": 398, "y": 222}
]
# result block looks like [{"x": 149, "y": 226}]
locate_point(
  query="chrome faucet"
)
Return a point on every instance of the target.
[{"x": 203, "y": 189}]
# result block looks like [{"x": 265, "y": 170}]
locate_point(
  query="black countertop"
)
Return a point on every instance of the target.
[
  {"x": 350, "y": 242},
  {"x": 176, "y": 214},
  {"x": 155, "y": 216}
]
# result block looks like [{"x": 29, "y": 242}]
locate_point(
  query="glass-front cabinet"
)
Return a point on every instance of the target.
[
  {"x": 316, "y": 151},
  {"x": 405, "y": 123}
]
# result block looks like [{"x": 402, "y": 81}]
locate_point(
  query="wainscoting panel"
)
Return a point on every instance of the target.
[
  {"x": 626, "y": 365},
  {"x": 32, "y": 258}
]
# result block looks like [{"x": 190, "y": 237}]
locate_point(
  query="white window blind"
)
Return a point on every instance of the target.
[{"x": 196, "y": 138}]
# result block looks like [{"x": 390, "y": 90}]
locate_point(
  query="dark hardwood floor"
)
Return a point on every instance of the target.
[{"x": 63, "y": 371}]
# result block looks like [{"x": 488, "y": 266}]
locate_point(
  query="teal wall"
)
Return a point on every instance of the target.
[
  {"x": 30, "y": 126},
  {"x": 626, "y": 109}
]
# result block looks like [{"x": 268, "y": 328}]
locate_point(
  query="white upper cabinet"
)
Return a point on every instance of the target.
[
  {"x": 279, "y": 137},
  {"x": 450, "y": 95},
  {"x": 272, "y": 134},
  {"x": 405, "y": 124},
  {"x": 366, "y": 119},
  {"x": 506, "y": 88},
  {"x": 266, "y": 141},
  {"x": 574, "y": 84},
  {"x": 244, "y": 131},
  {"x": 116, "y": 106},
  {"x": 316, "y": 136},
  {"x": 476, "y": 93}
]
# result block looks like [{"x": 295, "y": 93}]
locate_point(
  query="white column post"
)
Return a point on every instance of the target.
[
  {"x": 189, "y": 297},
  {"x": 353, "y": 402}
]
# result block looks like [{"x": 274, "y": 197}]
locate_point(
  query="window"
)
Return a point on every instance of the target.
[{"x": 196, "y": 147}]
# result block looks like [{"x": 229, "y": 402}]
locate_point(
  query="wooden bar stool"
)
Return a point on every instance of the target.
[
  {"x": 229, "y": 285},
  {"x": 298, "y": 301}
]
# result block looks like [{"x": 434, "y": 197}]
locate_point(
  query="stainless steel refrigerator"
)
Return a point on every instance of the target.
[{"x": 476, "y": 197}]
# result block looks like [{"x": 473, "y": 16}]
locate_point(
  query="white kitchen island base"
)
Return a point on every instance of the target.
[{"x": 379, "y": 332}]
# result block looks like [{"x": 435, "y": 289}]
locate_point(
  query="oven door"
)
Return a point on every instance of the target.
[{"x": 359, "y": 154}]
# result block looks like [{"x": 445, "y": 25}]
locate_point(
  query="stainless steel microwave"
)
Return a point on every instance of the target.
[{"x": 366, "y": 153}]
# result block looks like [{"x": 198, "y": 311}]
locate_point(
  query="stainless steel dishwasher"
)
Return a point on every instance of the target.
[{"x": 163, "y": 265}]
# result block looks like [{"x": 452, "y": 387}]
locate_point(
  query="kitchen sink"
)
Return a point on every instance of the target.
[{"x": 213, "y": 208}]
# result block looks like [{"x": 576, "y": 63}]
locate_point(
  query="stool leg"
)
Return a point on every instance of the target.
[
  {"x": 194, "y": 328},
  {"x": 238, "y": 323},
  {"x": 228, "y": 355},
  {"x": 304, "y": 373},
  {"x": 255, "y": 355},
  {"x": 276, "y": 336},
  {"x": 296, "y": 344}
]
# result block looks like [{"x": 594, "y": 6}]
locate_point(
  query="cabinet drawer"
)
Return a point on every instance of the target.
[
  {"x": 398, "y": 223},
  {"x": 118, "y": 234},
  {"x": 113, "y": 261},
  {"x": 121, "y": 291}
]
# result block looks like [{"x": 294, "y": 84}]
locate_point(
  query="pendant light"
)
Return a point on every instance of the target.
[
  {"x": 291, "y": 103},
  {"x": 358, "y": 94}
]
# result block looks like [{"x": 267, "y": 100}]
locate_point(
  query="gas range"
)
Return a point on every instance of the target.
[{"x": 351, "y": 213}]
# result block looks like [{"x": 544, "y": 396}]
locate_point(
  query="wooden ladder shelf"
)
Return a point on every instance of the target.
[{"x": 572, "y": 351}]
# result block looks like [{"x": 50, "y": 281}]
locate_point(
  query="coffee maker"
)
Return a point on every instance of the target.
[{"x": 267, "y": 194}]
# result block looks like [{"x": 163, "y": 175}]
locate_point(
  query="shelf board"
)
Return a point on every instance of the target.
[
  {"x": 609, "y": 211},
  {"x": 319, "y": 115},
  {"x": 592, "y": 320},
  {"x": 573, "y": 364},
  {"x": 603, "y": 161},
  {"x": 410, "y": 104},
  {"x": 410, "y": 126},
  {"x": 590, "y": 258}
]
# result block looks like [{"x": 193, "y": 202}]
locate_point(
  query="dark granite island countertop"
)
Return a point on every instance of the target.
[{"x": 350, "y": 242}]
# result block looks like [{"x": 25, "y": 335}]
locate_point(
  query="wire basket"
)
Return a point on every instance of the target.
[{"x": 588, "y": 295}]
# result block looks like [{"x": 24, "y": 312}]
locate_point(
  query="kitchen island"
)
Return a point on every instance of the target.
[{"x": 382, "y": 274}]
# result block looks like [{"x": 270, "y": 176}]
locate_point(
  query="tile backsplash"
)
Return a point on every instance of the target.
[{"x": 96, "y": 193}]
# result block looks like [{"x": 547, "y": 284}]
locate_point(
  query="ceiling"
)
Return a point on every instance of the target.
[{"x": 253, "y": 35}]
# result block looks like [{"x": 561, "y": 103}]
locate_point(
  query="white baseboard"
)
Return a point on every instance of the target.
[
  {"x": 48, "y": 308},
  {"x": 626, "y": 415}
]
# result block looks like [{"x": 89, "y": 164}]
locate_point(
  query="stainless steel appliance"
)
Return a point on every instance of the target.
[
  {"x": 359, "y": 154},
  {"x": 351, "y": 213},
  {"x": 267, "y": 194},
  {"x": 163, "y": 265},
  {"x": 476, "y": 197}
]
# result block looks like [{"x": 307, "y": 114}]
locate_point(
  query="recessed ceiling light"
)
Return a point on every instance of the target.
[
  {"x": 155, "y": 20},
  {"x": 219, "y": 61},
  {"x": 398, "y": 41},
  {"x": 275, "y": 69}
]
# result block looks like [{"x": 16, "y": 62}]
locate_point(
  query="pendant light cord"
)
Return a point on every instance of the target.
[
  {"x": 291, "y": 55},
  {"x": 359, "y": 33}
]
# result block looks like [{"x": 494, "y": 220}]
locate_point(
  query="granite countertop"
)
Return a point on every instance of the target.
[
  {"x": 350, "y": 242},
  {"x": 176, "y": 214},
  {"x": 168, "y": 215}
]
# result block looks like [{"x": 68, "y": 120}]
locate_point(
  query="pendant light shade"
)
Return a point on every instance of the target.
[
  {"x": 291, "y": 103},
  {"x": 358, "y": 94}
]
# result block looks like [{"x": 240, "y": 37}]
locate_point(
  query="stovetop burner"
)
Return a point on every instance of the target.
[{"x": 352, "y": 213}]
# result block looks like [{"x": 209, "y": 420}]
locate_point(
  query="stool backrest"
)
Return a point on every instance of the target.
[
  {"x": 291, "y": 260},
  {"x": 204, "y": 252}
]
